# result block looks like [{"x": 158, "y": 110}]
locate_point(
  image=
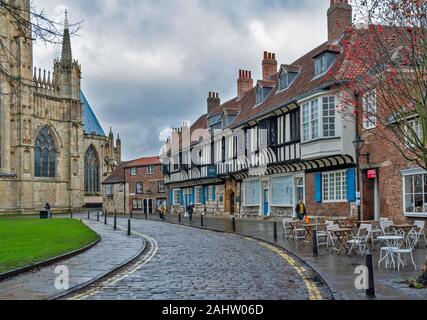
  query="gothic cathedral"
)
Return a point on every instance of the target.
[{"x": 52, "y": 147}]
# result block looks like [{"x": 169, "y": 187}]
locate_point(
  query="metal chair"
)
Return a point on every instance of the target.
[
  {"x": 322, "y": 236},
  {"x": 395, "y": 245},
  {"x": 331, "y": 236},
  {"x": 360, "y": 242},
  {"x": 411, "y": 242},
  {"x": 387, "y": 228},
  {"x": 421, "y": 230}
]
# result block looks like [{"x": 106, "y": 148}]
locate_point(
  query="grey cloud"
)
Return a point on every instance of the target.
[{"x": 148, "y": 65}]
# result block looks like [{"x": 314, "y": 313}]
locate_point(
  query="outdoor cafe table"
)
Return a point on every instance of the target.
[
  {"x": 309, "y": 230},
  {"x": 389, "y": 244},
  {"x": 342, "y": 235}
]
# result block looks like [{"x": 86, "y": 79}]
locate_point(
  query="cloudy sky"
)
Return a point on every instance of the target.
[{"x": 149, "y": 65}]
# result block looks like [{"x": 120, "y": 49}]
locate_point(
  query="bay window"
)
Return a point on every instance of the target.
[
  {"x": 415, "y": 190},
  {"x": 318, "y": 122}
]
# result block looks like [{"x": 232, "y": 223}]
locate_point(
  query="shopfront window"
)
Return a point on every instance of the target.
[{"x": 415, "y": 187}]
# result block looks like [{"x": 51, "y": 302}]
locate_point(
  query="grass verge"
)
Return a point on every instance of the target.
[{"x": 28, "y": 241}]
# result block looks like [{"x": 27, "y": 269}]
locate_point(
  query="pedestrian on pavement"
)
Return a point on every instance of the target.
[
  {"x": 301, "y": 210},
  {"x": 190, "y": 210},
  {"x": 162, "y": 213},
  {"x": 47, "y": 208}
]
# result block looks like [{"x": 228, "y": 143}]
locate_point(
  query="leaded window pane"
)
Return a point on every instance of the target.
[
  {"x": 91, "y": 171},
  {"x": 45, "y": 155}
]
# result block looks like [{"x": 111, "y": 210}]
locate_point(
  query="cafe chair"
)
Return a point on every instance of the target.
[
  {"x": 299, "y": 231},
  {"x": 408, "y": 249},
  {"x": 287, "y": 228},
  {"x": 387, "y": 228},
  {"x": 360, "y": 242},
  {"x": 421, "y": 230}
]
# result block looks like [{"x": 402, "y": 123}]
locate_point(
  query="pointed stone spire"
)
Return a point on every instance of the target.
[{"x": 66, "y": 57}]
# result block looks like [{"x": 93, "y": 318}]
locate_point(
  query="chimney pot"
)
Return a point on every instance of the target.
[
  {"x": 213, "y": 101},
  {"x": 269, "y": 66},
  {"x": 244, "y": 83}
]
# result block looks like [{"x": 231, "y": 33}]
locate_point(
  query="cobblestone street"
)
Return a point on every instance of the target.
[{"x": 197, "y": 264}]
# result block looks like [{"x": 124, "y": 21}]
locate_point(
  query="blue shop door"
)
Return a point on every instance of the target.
[{"x": 266, "y": 203}]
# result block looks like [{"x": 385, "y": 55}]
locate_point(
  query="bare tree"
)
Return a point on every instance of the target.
[
  {"x": 33, "y": 24},
  {"x": 386, "y": 74}
]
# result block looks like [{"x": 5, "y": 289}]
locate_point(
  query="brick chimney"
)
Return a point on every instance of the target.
[
  {"x": 340, "y": 17},
  {"x": 245, "y": 82},
  {"x": 269, "y": 66},
  {"x": 213, "y": 101}
]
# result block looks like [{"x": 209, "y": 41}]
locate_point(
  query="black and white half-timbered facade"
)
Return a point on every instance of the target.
[{"x": 277, "y": 142}]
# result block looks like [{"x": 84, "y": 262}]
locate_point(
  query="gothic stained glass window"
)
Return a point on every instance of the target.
[
  {"x": 91, "y": 171},
  {"x": 45, "y": 155}
]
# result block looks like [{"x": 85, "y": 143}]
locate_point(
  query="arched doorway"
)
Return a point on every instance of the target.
[{"x": 230, "y": 202}]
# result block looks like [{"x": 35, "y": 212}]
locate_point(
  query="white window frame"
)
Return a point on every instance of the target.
[
  {"x": 326, "y": 194},
  {"x": 282, "y": 205},
  {"x": 198, "y": 195},
  {"x": 369, "y": 110},
  {"x": 161, "y": 186},
  {"x": 312, "y": 122},
  {"x": 133, "y": 172},
  {"x": 109, "y": 190},
  {"x": 417, "y": 127},
  {"x": 150, "y": 170},
  {"x": 176, "y": 197},
  {"x": 139, "y": 188},
  {"x": 404, "y": 194},
  {"x": 246, "y": 204}
]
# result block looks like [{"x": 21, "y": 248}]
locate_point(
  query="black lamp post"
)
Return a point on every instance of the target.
[{"x": 358, "y": 145}]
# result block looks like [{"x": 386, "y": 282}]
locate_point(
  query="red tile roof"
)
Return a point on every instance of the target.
[
  {"x": 117, "y": 176},
  {"x": 142, "y": 162}
]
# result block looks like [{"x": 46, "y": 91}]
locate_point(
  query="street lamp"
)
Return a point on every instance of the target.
[{"x": 358, "y": 145}]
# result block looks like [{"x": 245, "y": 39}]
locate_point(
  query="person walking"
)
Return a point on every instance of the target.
[
  {"x": 301, "y": 210},
  {"x": 47, "y": 208},
  {"x": 190, "y": 210}
]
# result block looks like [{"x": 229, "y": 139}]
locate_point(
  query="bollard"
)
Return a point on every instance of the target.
[
  {"x": 275, "y": 231},
  {"x": 105, "y": 217},
  {"x": 115, "y": 222},
  {"x": 88, "y": 215},
  {"x": 129, "y": 228},
  {"x": 315, "y": 244},
  {"x": 201, "y": 220},
  {"x": 234, "y": 224},
  {"x": 146, "y": 215},
  {"x": 370, "y": 292},
  {"x": 179, "y": 218},
  {"x": 71, "y": 214},
  {"x": 97, "y": 215}
]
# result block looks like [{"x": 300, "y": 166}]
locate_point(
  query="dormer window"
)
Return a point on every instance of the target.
[
  {"x": 323, "y": 62},
  {"x": 261, "y": 94},
  {"x": 286, "y": 79}
]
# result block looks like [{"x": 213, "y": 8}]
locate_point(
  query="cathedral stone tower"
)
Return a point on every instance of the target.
[{"x": 52, "y": 147}]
